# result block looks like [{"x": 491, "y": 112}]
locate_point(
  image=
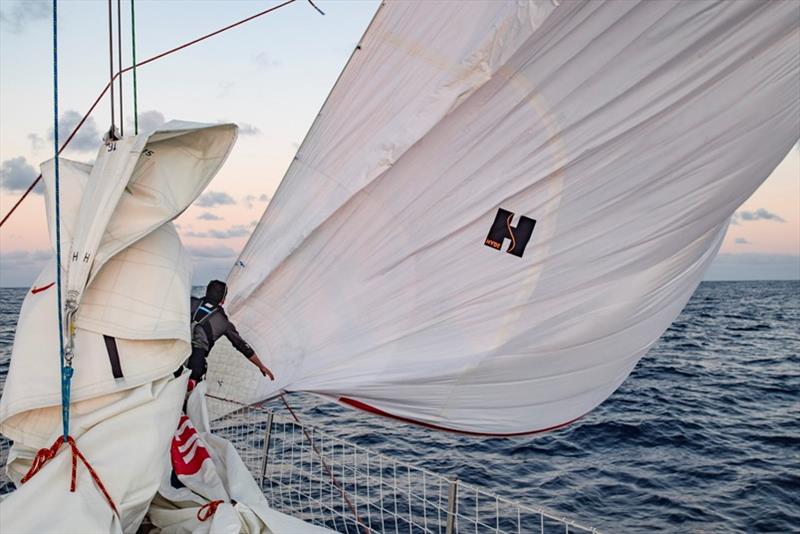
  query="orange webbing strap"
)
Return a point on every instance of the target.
[
  {"x": 47, "y": 454},
  {"x": 207, "y": 510}
]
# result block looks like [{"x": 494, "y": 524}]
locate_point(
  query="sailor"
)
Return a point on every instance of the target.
[{"x": 209, "y": 323}]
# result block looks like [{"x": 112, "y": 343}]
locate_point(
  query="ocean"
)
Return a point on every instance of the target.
[{"x": 704, "y": 436}]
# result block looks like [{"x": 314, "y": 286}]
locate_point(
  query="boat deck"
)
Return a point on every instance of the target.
[{"x": 309, "y": 475}]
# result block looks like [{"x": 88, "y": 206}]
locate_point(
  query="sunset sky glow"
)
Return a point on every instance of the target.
[{"x": 270, "y": 76}]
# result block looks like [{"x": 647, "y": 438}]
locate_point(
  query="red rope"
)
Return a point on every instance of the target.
[
  {"x": 45, "y": 455},
  {"x": 207, "y": 510},
  {"x": 141, "y": 63}
]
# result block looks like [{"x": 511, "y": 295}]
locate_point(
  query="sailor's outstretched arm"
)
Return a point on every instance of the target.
[
  {"x": 263, "y": 368},
  {"x": 242, "y": 346}
]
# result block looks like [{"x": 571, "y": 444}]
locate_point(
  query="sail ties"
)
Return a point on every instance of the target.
[
  {"x": 207, "y": 510},
  {"x": 45, "y": 455}
]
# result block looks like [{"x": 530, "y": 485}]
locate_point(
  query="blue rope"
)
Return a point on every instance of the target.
[{"x": 66, "y": 372}]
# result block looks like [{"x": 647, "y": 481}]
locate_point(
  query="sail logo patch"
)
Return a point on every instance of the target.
[
  {"x": 518, "y": 235},
  {"x": 187, "y": 451}
]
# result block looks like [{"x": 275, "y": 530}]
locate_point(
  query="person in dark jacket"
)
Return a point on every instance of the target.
[{"x": 209, "y": 323}]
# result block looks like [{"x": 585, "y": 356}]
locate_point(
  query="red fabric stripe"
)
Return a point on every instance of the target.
[
  {"x": 187, "y": 433},
  {"x": 179, "y": 463},
  {"x": 35, "y": 290},
  {"x": 371, "y": 409}
]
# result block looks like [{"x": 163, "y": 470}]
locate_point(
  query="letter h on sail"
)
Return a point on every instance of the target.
[{"x": 502, "y": 229}]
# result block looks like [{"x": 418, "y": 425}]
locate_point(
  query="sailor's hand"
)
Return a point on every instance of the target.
[
  {"x": 261, "y": 367},
  {"x": 266, "y": 372}
]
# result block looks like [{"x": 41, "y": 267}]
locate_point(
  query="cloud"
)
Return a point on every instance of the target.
[
  {"x": 16, "y": 174},
  {"x": 760, "y": 214},
  {"x": 208, "y": 216},
  {"x": 263, "y": 61},
  {"x": 238, "y": 230},
  {"x": 742, "y": 241},
  {"x": 245, "y": 128},
  {"x": 87, "y": 138},
  {"x": 214, "y": 198},
  {"x": 27, "y": 255},
  {"x": 37, "y": 142},
  {"x": 250, "y": 200},
  {"x": 212, "y": 252},
  {"x": 248, "y": 129},
  {"x": 24, "y": 12},
  {"x": 149, "y": 121}
]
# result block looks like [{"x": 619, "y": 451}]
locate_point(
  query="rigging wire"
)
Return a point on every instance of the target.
[
  {"x": 66, "y": 372},
  {"x": 119, "y": 63},
  {"x": 111, "y": 64},
  {"x": 133, "y": 60},
  {"x": 110, "y": 83}
]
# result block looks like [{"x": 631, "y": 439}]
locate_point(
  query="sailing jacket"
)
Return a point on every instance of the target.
[{"x": 209, "y": 323}]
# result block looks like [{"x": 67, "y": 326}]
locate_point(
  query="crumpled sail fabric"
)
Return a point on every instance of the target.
[
  {"x": 127, "y": 270},
  {"x": 628, "y": 131},
  {"x": 207, "y": 469}
]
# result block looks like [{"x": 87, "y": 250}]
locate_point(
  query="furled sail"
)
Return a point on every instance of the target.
[{"x": 503, "y": 205}]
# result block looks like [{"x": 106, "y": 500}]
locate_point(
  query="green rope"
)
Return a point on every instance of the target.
[{"x": 133, "y": 41}]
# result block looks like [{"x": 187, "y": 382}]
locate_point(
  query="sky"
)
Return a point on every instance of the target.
[{"x": 270, "y": 76}]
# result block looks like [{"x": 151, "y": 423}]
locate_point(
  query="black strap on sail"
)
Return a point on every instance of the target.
[{"x": 113, "y": 356}]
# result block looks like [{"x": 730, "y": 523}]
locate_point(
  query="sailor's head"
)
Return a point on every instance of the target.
[{"x": 216, "y": 291}]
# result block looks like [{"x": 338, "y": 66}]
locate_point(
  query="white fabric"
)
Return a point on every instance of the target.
[
  {"x": 126, "y": 268},
  {"x": 130, "y": 463},
  {"x": 210, "y": 469},
  {"x": 630, "y": 131},
  {"x": 139, "y": 272}
]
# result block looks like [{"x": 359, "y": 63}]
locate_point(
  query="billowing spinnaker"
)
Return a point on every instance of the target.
[{"x": 630, "y": 132}]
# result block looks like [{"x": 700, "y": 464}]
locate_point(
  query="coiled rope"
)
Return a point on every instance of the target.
[{"x": 133, "y": 66}]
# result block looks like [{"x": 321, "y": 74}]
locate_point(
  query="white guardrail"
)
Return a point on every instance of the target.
[{"x": 328, "y": 481}]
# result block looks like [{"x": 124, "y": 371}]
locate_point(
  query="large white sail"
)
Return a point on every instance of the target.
[{"x": 606, "y": 144}]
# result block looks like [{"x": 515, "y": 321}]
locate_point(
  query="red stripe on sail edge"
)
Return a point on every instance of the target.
[
  {"x": 371, "y": 409},
  {"x": 35, "y": 290}
]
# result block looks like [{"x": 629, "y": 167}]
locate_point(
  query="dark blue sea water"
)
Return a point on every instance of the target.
[{"x": 704, "y": 436}]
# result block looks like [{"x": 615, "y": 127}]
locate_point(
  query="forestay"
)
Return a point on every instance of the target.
[{"x": 606, "y": 144}]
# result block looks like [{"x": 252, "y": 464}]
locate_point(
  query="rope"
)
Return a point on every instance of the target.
[
  {"x": 133, "y": 60},
  {"x": 145, "y": 62},
  {"x": 119, "y": 62},
  {"x": 207, "y": 510},
  {"x": 111, "y": 62},
  {"x": 45, "y": 455},
  {"x": 326, "y": 466},
  {"x": 66, "y": 371}
]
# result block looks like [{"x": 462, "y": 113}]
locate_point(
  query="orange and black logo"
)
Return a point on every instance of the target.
[{"x": 502, "y": 229}]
